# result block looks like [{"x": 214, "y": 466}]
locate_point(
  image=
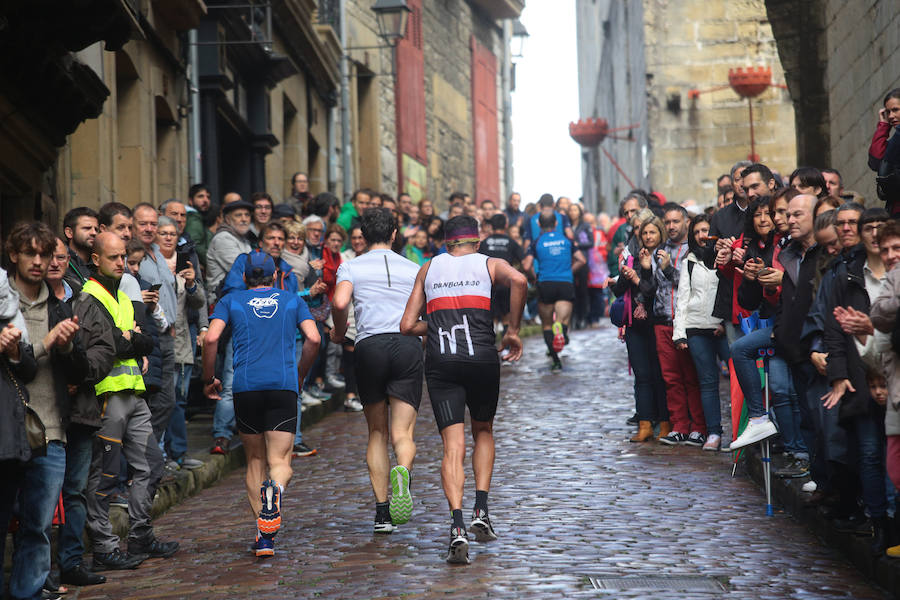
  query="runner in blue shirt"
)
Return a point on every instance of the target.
[
  {"x": 546, "y": 206},
  {"x": 263, "y": 321},
  {"x": 555, "y": 259}
]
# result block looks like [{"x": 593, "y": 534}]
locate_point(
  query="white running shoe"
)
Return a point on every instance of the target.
[
  {"x": 809, "y": 487},
  {"x": 353, "y": 405},
  {"x": 754, "y": 433},
  {"x": 307, "y": 399}
]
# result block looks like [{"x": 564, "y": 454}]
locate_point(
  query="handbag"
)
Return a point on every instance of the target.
[{"x": 34, "y": 427}]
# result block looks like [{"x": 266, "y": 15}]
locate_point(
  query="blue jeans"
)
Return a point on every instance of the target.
[
  {"x": 298, "y": 437},
  {"x": 176, "y": 432},
  {"x": 223, "y": 417},
  {"x": 38, "y": 497},
  {"x": 786, "y": 405},
  {"x": 704, "y": 349},
  {"x": 79, "y": 447},
  {"x": 744, "y": 353},
  {"x": 866, "y": 434},
  {"x": 649, "y": 389}
]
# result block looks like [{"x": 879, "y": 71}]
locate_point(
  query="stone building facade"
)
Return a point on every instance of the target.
[
  {"x": 640, "y": 60},
  {"x": 450, "y": 60},
  {"x": 840, "y": 59}
]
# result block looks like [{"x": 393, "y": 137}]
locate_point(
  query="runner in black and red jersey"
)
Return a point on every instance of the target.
[{"x": 462, "y": 367}]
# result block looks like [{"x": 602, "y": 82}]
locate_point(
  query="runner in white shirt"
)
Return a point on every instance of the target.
[{"x": 389, "y": 366}]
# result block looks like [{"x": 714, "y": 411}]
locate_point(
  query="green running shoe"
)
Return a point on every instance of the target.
[{"x": 401, "y": 501}]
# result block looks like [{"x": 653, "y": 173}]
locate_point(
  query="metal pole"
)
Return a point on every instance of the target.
[
  {"x": 506, "y": 83},
  {"x": 346, "y": 123},
  {"x": 195, "y": 164},
  {"x": 752, "y": 156}
]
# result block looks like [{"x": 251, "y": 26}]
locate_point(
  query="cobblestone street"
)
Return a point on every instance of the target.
[{"x": 571, "y": 498}]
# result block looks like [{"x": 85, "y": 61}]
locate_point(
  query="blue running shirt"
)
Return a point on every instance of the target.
[
  {"x": 553, "y": 256},
  {"x": 263, "y": 323}
]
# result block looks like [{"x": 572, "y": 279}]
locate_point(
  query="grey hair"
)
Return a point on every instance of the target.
[
  {"x": 313, "y": 219},
  {"x": 164, "y": 221},
  {"x": 164, "y": 205},
  {"x": 741, "y": 164},
  {"x": 825, "y": 220}
]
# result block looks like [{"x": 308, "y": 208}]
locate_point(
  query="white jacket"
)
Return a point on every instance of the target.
[{"x": 696, "y": 298}]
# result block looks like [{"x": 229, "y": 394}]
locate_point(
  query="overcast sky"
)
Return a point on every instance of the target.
[{"x": 545, "y": 158}]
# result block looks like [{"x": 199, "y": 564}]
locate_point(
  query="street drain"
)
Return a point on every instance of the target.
[{"x": 666, "y": 583}]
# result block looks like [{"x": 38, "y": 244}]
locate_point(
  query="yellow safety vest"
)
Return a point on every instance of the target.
[{"x": 125, "y": 374}]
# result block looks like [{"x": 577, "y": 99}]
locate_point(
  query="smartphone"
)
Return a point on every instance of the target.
[
  {"x": 712, "y": 238},
  {"x": 155, "y": 287},
  {"x": 182, "y": 262},
  {"x": 766, "y": 270}
]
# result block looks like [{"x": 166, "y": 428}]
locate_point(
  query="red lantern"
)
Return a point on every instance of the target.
[
  {"x": 750, "y": 83},
  {"x": 589, "y": 132}
]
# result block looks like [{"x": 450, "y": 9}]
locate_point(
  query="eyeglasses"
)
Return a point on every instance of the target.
[
  {"x": 848, "y": 222},
  {"x": 872, "y": 227}
]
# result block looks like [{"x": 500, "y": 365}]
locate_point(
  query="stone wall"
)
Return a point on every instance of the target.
[
  {"x": 863, "y": 46},
  {"x": 691, "y": 45}
]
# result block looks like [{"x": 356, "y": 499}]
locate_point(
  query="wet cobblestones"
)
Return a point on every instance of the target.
[{"x": 571, "y": 497}]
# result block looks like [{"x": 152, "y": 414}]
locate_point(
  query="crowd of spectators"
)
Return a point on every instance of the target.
[{"x": 789, "y": 288}]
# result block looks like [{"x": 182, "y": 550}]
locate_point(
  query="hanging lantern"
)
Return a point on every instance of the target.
[
  {"x": 750, "y": 82},
  {"x": 589, "y": 132}
]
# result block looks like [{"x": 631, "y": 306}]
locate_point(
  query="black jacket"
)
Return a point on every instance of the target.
[
  {"x": 844, "y": 361},
  {"x": 77, "y": 272},
  {"x": 795, "y": 301},
  {"x": 100, "y": 348},
  {"x": 13, "y": 440},
  {"x": 750, "y": 293},
  {"x": 728, "y": 222}
]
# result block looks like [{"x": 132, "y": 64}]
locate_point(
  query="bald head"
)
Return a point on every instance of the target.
[
  {"x": 109, "y": 255},
  {"x": 800, "y": 218}
]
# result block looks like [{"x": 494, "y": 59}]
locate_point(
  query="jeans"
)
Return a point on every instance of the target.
[
  {"x": 704, "y": 349},
  {"x": 744, "y": 353},
  {"x": 598, "y": 304},
  {"x": 223, "y": 417},
  {"x": 866, "y": 435},
  {"x": 79, "y": 448},
  {"x": 38, "y": 496},
  {"x": 176, "y": 433},
  {"x": 649, "y": 390},
  {"x": 318, "y": 367}
]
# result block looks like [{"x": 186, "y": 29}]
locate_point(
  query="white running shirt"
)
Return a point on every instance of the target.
[{"x": 382, "y": 283}]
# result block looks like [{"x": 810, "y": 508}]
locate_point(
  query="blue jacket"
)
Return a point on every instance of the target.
[{"x": 285, "y": 278}]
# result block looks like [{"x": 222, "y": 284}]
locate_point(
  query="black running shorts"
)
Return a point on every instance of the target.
[
  {"x": 454, "y": 385},
  {"x": 268, "y": 410},
  {"x": 550, "y": 292},
  {"x": 389, "y": 365}
]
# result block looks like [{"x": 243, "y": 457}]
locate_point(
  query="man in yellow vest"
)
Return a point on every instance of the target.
[{"x": 125, "y": 424}]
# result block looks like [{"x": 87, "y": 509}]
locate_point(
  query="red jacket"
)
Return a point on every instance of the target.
[{"x": 329, "y": 271}]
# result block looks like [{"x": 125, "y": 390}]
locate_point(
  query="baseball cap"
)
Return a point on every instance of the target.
[
  {"x": 259, "y": 264},
  {"x": 284, "y": 211}
]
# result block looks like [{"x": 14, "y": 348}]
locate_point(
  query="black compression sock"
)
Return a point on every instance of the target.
[
  {"x": 481, "y": 500},
  {"x": 382, "y": 510},
  {"x": 548, "y": 339},
  {"x": 458, "y": 519},
  {"x": 566, "y": 331}
]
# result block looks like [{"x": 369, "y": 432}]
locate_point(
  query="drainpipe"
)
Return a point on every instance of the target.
[
  {"x": 346, "y": 123},
  {"x": 506, "y": 85},
  {"x": 195, "y": 164}
]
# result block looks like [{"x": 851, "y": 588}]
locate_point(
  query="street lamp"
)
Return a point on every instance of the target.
[
  {"x": 519, "y": 33},
  {"x": 391, "y": 16}
]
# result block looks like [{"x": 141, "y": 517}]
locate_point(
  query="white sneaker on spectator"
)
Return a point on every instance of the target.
[
  {"x": 713, "y": 443},
  {"x": 334, "y": 382},
  {"x": 191, "y": 463},
  {"x": 307, "y": 399},
  {"x": 353, "y": 405},
  {"x": 809, "y": 487},
  {"x": 754, "y": 432}
]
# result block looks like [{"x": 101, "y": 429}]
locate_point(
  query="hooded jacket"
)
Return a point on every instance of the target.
[
  {"x": 695, "y": 299},
  {"x": 224, "y": 248}
]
